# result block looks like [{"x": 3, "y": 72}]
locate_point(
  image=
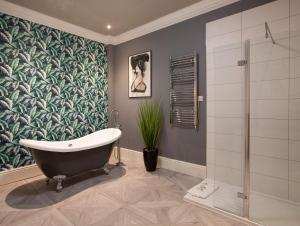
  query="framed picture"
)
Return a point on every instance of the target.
[{"x": 139, "y": 75}]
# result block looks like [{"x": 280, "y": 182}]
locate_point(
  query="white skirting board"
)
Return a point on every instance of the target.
[
  {"x": 191, "y": 169},
  {"x": 18, "y": 174},
  {"x": 167, "y": 163}
]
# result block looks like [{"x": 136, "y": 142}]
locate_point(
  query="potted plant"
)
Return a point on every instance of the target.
[{"x": 149, "y": 122}]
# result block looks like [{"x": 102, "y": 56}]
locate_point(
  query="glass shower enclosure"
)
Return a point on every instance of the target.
[{"x": 253, "y": 113}]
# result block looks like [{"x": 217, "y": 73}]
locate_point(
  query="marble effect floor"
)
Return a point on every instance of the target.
[{"x": 127, "y": 196}]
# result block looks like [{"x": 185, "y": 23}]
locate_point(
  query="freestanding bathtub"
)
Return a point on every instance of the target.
[{"x": 61, "y": 159}]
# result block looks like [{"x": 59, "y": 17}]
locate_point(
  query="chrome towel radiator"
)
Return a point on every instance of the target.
[{"x": 184, "y": 91}]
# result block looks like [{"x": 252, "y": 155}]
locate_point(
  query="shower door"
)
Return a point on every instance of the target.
[{"x": 228, "y": 112}]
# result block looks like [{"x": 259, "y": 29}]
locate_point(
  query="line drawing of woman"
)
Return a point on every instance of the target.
[{"x": 139, "y": 67}]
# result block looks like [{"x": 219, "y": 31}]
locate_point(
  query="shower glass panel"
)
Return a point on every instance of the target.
[
  {"x": 228, "y": 133},
  {"x": 253, "y": 110},
  {"x": 226, "y": 116}
]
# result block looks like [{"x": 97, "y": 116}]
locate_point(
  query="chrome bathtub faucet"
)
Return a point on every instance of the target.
[
  {"x": 116, "y": 118},
  {"x": 117, "y": 143}
]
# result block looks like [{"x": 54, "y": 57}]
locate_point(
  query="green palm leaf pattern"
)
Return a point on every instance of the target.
[{"x": 53, "y": 86}]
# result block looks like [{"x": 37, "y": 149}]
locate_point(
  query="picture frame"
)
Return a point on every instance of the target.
[{"x": 140, "y": 75}]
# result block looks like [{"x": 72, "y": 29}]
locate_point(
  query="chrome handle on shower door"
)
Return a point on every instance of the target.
[{"x": 246, "y": 183}]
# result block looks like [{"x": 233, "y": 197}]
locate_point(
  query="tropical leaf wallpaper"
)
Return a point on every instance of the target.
[{"x": 53, "y": 86}]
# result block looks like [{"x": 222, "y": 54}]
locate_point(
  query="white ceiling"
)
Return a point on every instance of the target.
[
  {"x": 151, "y": 17},
  {"x": 122, "y": 15}
]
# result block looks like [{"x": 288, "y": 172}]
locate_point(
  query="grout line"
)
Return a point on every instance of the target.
[
  {"x": 239, "y": 135},
  {"x": 252, "y": 81},
  {"x": 253, "y": 100},
  {"x": 251, "y": 172},
  {"x": 251, "y": 117},
  {"x": 289, "y": 97},
  {"x": 253, "y": 154},
  {"x": 267, "y": 156}
]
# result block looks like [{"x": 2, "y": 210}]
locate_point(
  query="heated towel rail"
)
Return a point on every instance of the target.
[{"x": 184, "y": 91}]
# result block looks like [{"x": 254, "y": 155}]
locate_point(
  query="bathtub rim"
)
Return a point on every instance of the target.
[{"x": 52, "y": 146}]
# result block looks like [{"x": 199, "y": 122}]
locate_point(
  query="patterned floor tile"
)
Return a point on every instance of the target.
[{"x": 128, "y": 196}]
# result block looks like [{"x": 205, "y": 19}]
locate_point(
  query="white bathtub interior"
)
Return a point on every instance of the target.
[
  {"x": 93, "y": 140},
  {"x": 274, "y": 113}
]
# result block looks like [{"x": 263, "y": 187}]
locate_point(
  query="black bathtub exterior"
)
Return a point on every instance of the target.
[{"x": 71, "y": 163}]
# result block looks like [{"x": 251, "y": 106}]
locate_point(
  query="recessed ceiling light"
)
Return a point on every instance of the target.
[{"x": 108, "y": 26}]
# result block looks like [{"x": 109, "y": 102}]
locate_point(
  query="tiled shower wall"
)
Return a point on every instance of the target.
[{"x": 275, "y": 98}]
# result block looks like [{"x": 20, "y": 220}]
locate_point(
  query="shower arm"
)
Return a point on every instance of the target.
[{"x": 268, "y": 33}]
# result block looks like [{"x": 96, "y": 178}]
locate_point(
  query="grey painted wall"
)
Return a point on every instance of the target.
[{"x": 182, "y": 38}]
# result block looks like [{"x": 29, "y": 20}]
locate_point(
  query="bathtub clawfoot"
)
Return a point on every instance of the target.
[
  {"x": 59, "y": 179},
  {"x": 105, "y": 169},
  {"x": 47, "y": 180}
]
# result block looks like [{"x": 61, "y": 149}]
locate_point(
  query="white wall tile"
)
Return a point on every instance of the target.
[
  {"x": 210, "y": 171},
  {"x": 228, "y": 92},
  {"x": 294, "y": 112},
  {"x": 223, "y": 42},
  {"x": 294, "y": 171},
  {"x": 294, "y": 88},
  {"x": 209, "y": 61},
  {"x": 226, "y": 58},
  {"x": 294, "y": 191},
  {"x": 269, "y": 128},
  {"x": 267, "y": 51},
  {"x": 274, "y": 89},
  {"x": 295, "y": 46},
  {"x": 294, "y": 150},
  {"x": 295, "y": 7},
  {"x": 210, "y": 108},
  {"x": 210, "y": 141},
  {"x": 226, "y": 142},
  {"x": 269, "y": 185},
  {"x": 210, "y": 93},
  {"x": 295, "y": 25},
  {"x": 295, "y": 67},
  {"x": 228, "y": 175},
  {"x": 294, "y": 127},
  {"x": 268, "y": 12},
  {"x": 224, "y": 25},
  {"x": 225, "y": 125},
  {"x": 224, "y": 108},
  {"x": 228, "y": 159},
  {"x": 210, "y": 124},
  {"x": 210, "y": 76},
  {"x": 277, "y": 69},
  {"x": 275, "y": 109},
  {"x": 227, "y": 75},
  {"x": 269, "y": 166},
  {"x": 210, "y": 156},
  {"x": 269, "y": 147}
]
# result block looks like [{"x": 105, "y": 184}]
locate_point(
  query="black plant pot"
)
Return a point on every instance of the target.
[{"x": 150, "y": 159}]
